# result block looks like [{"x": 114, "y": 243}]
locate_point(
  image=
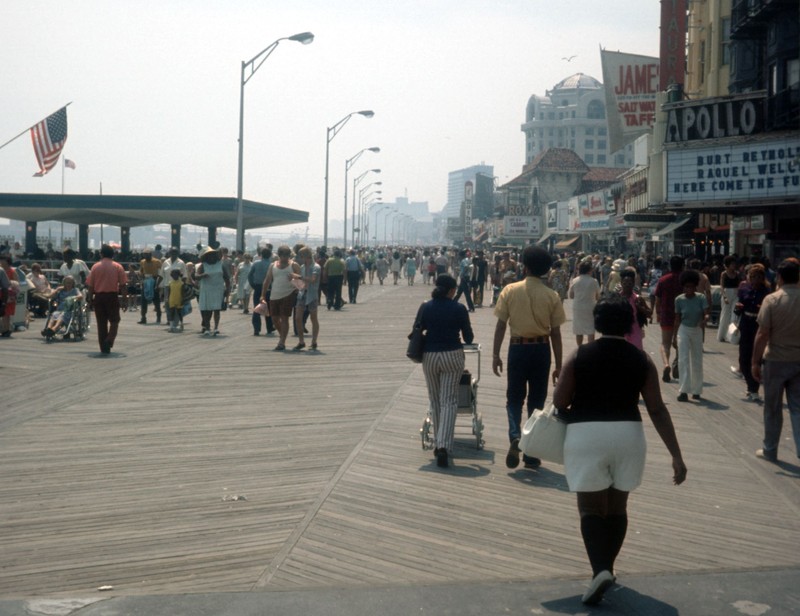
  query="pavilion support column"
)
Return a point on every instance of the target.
[
  {"x": 30, "y": 237},
  {"x": 212, "y": 236},
  {"x": 125, "y": 240},
  {"x": 176, "y": 237},
  {"x": 83, "y": 240}
]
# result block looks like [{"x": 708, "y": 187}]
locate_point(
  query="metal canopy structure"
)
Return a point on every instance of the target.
[{"x": 137, "y": 211}]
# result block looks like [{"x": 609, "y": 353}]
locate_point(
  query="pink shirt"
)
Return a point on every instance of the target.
[{"x": 106, "y": 277}]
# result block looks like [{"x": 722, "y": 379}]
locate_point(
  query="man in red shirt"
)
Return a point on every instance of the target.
[
  {"x": 667, "y": 289},
  {"x": 106, "y": 282}
]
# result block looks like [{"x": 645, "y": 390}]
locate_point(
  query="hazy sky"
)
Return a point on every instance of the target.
[{"x": 154, "y": 86}]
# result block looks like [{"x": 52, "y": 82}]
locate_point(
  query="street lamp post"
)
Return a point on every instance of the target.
[
  {"x": 361, "y": 197},
  {"x": 365, "y": 224},
  {"x": 347, "y": 165},
  {"x": 378, "y": 212},
  {"x": 332, "y": 131},
  {"x": 304, "y": 38},
  {"x": 391, "y": 214},
  {"x": 355, "y": 183}
]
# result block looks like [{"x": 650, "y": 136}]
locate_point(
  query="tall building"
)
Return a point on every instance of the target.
[
  {"x": 573, "y": 116},
  {"x": 455, "y": 187}
]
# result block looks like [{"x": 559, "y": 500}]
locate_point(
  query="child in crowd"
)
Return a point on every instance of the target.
[
  {"x": 429, "y": 279},
  {"x": 175, "y": 301}
]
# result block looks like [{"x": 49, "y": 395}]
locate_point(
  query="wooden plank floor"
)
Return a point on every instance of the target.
[{"x": 122, "y": 470}]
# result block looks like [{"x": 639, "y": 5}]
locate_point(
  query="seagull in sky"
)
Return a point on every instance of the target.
[{"x": 570, "y": 58}]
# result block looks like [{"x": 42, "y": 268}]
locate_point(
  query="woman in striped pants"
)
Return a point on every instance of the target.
[{"x": 445, "y": 322}]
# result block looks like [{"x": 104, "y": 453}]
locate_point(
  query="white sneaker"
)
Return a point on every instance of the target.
[
  {"x": 754, "y": 397},
  {"x": 207, "y": 333},
  {"x": 737, "y": 372},
  {"x": 597, "y": 588},
  {"x": 216, "y": 332}
]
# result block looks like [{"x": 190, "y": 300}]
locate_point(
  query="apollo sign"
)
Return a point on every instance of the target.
[{"x": 714, "y": 120}]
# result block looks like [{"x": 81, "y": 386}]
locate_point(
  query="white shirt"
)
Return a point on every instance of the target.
[
  {"x": 75, "y": 271},
  {"x": 167, "y": 266}
]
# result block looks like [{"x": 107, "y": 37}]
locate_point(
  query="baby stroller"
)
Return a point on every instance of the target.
[
  {"x": 71, "y": 323},
  {"x": 467, "y": 402}
]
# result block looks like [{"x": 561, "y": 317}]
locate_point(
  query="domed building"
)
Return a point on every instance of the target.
[{"x": 572, "y": 115}]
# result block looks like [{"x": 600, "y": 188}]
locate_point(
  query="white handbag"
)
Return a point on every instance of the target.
[
  {"x": 733, "y": 335},
  {"x": 543, "y": 436}
]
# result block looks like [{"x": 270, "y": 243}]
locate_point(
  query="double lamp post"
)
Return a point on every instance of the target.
[{"x": 253, "y": 65}]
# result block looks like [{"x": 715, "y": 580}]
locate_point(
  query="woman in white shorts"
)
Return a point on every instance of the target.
[{"x": 604, "y": 450}]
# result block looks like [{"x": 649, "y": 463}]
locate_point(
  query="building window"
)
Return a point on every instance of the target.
[
  {"x": 596, "y": 110},
  {"x": 701, "y": 58},
  {"x": 601, "y": 159},
  {"x": 601, "y": 145},
  {"x": 726, "y": 40},
  {"x": 564, "y": 103},
  {"x": 550, "y": 132},
  {"x": 589, "y": 159},
  {"x": 620, "y": 159},
  {"x": 589, "y": 144},
  {"x": 590, "y": 130},
  {"x": 602, "y": 131},
  {"x": 572, "y": 144}
]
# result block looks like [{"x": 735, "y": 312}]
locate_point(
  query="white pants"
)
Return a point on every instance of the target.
[
  {"x": 726, "y": 312},
  {"x": 690, "y": 360}
]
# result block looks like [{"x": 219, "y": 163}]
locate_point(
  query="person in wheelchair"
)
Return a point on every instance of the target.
[
  {"x": 65, "y": 300},
  {"x": 41, "y": 292}
]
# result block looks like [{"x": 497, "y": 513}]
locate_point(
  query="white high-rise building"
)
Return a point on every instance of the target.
[
  {"x": 573, "y": 116},
  {"x": 455, "y": 187}
]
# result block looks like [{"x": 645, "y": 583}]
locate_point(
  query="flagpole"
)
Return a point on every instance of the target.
[
  {"x": 64, "y": 164},
  {"x": 32, "y": 125}
]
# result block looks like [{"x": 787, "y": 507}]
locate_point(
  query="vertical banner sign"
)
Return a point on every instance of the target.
[
  {"x": 468, "y": 197},
  {"x": 673, "y": 42},
  {"x": 631, "y": 84}
]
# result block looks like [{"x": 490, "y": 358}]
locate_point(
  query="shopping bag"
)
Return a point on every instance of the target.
[
  {"x": 416, "y": 340},
  {"x": 543, "y": 436},
  {"x": 733, "y": 335}
]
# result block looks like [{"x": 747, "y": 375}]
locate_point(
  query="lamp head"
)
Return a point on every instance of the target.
[
  {"x": 367, "y": 114},
  {"x": 304, "y": 38},
  {"x": 375, "y": 170},
  {"x": 374, "y": 149},
  {"x": 378, "y": 184}
]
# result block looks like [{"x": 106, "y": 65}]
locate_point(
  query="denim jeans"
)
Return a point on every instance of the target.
[
  {"x": 527, "y": 371},
  {"x": 780, "y": 376},
  {"x": 465, "y": 288}
]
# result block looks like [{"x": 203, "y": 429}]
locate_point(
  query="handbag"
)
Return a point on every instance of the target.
[
  {"x": 733, "y": 335},
  {"x": 262, "y": 308},
  {"x": 416, "y": 339},
  {"x": 543, "y": 436}
]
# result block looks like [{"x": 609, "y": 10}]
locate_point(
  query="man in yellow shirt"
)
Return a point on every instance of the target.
[{"x": 534, "y": 314}]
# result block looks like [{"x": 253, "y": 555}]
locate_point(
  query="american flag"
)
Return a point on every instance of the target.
[
  {"x": 49, "y": 137},
  {"x": 69, "y": 163}
]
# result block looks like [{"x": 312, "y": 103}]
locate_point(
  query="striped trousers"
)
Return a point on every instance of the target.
[{"x": 442, "y": 375}]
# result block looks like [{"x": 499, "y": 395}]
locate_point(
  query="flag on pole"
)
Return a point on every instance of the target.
[
  {"x": 69, "y": 163},
  {"x": 49, "y": 137}
]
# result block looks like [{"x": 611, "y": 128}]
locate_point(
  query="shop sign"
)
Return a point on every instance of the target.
[
  {"x": 521, "y": 226},
  {"x": 468, "y": 195},
  {"x": 714, "y": 120},
  {"x": 737, "y": 172}
]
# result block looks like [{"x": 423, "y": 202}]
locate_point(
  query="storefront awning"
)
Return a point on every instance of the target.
[
  {"x": 545, "y": 237},
  {"x": 567, "y": 242},
  {"x": 670, "y": 228}
]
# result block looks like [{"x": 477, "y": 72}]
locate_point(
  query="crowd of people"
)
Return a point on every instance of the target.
[{"x": 617, "y": 298}]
